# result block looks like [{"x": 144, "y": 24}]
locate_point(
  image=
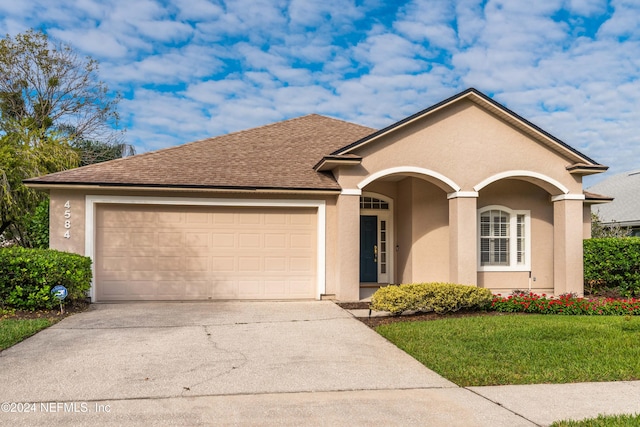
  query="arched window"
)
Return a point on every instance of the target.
[{"x": 504, "y": 239}]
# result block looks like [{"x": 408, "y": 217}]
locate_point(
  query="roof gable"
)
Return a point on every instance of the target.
[{"x": 587, "y": 165}]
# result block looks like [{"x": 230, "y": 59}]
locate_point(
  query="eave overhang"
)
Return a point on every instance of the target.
[
  {"x": 178, "y": 188},
  {"x": 330, "y": 162},
  {"x": 593, "y": 198},
  {"x": 586, "y": 169}
]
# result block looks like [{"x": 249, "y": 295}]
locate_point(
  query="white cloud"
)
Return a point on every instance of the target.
[
  {"x": 587, "y": 7},
  {"x": 196, "y": 68}
]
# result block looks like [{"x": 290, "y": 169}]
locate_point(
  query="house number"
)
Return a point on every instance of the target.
[{"x": 67, "y": 219}]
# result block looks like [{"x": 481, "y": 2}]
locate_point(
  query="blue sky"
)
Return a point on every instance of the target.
[{"x": 190, "y": 69}]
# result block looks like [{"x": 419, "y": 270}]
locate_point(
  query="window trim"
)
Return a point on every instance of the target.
[{"x": 513, "y": 240}]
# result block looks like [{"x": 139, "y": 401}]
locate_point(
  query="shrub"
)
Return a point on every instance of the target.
[
  {"x": 28, "y": 275},
  {"x": 426, "y": 297},
  {"x": 565, "y": 304},
  {"x": 612, "y": 263}
]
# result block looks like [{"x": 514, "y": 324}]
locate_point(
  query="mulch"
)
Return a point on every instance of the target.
[
  {"x": 374, "y": 322},
  {"x": 69, "y": 309}
]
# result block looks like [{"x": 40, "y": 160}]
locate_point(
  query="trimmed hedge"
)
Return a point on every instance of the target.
[
  {"x": 612, "y": 263},
  {"x": 426, "y": 297},
  {"x": 28, "y": 275}
]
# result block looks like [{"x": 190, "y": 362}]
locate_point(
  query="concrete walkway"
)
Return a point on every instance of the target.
[{"x": 256, "y": 363}]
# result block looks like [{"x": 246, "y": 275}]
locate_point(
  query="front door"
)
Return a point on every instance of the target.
[{"x": 368, "y": 248}]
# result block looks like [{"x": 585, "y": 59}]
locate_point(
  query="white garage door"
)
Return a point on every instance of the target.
[{"x": 164, "y": 252}]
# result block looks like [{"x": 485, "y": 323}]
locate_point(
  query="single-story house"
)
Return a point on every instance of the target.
[
  {"x": 465, "y": 191},
  {"x": 624, "y": 210}
]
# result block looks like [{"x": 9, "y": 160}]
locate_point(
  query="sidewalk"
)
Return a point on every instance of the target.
[{"x": 542, "y": 404}]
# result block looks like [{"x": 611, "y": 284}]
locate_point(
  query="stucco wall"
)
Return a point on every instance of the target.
[
  {"x": 464, "y": 143},
  {"x": 58, "y": 217}
]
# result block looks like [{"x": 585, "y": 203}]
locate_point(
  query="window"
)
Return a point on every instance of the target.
[
  {"x": 504, "y": 239},
  {"x": 373, "y": 203}
]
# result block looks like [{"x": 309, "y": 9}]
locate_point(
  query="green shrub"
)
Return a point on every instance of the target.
[
  {"x": 28, "y": 275},
  {"x": 612, "y": 263},
  {"x": 426, "y": 297},
  {"x": 36, "y": 227}
]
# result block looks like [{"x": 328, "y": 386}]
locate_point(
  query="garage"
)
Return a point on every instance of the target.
[{"x": 163, "y": 252}]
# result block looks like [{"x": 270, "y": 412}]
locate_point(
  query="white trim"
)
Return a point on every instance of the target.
[
  {"x": 567, "y": 197},
  {"x": 351, "y": 192},
  {"x": 409, "y": 169},
  {"x": 92, "y": 200},
  {"x": 520, "y": 173},
  {"x": 463, "y": 194},
  {"x": 384, "y": 215},
  {"x": 513, "y": 236}
]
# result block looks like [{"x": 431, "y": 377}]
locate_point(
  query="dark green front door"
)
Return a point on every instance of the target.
[{"x": 369, "y": 248}]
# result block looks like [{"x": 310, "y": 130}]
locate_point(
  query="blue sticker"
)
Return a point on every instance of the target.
[{"x": 59, "y": 292}]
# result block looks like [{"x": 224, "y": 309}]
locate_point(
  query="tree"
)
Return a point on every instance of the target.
[
  {"x": 45, "y": 85},
  {"x": 600, "y": 230},
  {"x": 50, "y": 102},
  {"x": 97, "y": 152}
]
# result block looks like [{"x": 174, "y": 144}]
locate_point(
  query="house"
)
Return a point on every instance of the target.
[
  {"x": 465, "y": 191},
  {"x": 624, "y": 210}
]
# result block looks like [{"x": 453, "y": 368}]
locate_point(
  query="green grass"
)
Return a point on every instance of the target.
[
  {"x": 602, "y": 421},
  {"x": 12, "y": 331},
  {"x": 530, "y": 349}
]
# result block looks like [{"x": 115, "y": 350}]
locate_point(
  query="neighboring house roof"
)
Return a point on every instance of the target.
[
  {"x": 582, "y": 164},
  {"x": 625, "y": 208},
  {"x": 276, "y": 156}
]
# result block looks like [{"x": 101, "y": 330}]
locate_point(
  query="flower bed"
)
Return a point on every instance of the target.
[{"x": 565, "y": 304}]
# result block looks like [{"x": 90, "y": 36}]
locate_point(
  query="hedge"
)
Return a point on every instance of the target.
[
  {"x": 612, "y": 263},
  {"x": 28, "y": 275},
  {"x": 426, "y": 297}
]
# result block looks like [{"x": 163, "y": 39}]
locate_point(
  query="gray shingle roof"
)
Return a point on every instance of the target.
[
  {"x": 625, "y": 189},
  {"x": 276, "y": 156}
]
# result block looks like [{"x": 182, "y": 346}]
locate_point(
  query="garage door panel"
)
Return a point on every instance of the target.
[
  {"x": 186, "y": 253},
  {"x": 301, "y": 241},
  {"x": 197, "y": 264},
  {"x": 275, "y": 264},
  {"x": 170, "y": 239}
]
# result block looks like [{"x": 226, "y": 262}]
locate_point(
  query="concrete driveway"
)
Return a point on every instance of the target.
[{"x": 227, "y": 363}]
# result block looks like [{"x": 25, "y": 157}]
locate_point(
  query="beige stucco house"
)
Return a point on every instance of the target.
[{"x": 465, "y": 191}]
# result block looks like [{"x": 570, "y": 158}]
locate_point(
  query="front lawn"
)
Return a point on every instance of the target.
[
  {"x": 12, "y": 331},
  {"x": 602, "y": 421},
  {"x": 523, "y": 349}
]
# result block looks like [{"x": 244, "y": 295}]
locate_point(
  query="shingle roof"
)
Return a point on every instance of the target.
[
  {"x": 276, "y": 156},
  {"x": 625, "y": 189}
]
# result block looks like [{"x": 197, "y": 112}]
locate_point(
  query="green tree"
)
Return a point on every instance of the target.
[
  {"x": 50, "y": 101},
  {"x": 600, "y": 230}
]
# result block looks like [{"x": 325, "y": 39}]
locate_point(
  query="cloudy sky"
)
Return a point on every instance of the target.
[{"x": 189, "y": 69}]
